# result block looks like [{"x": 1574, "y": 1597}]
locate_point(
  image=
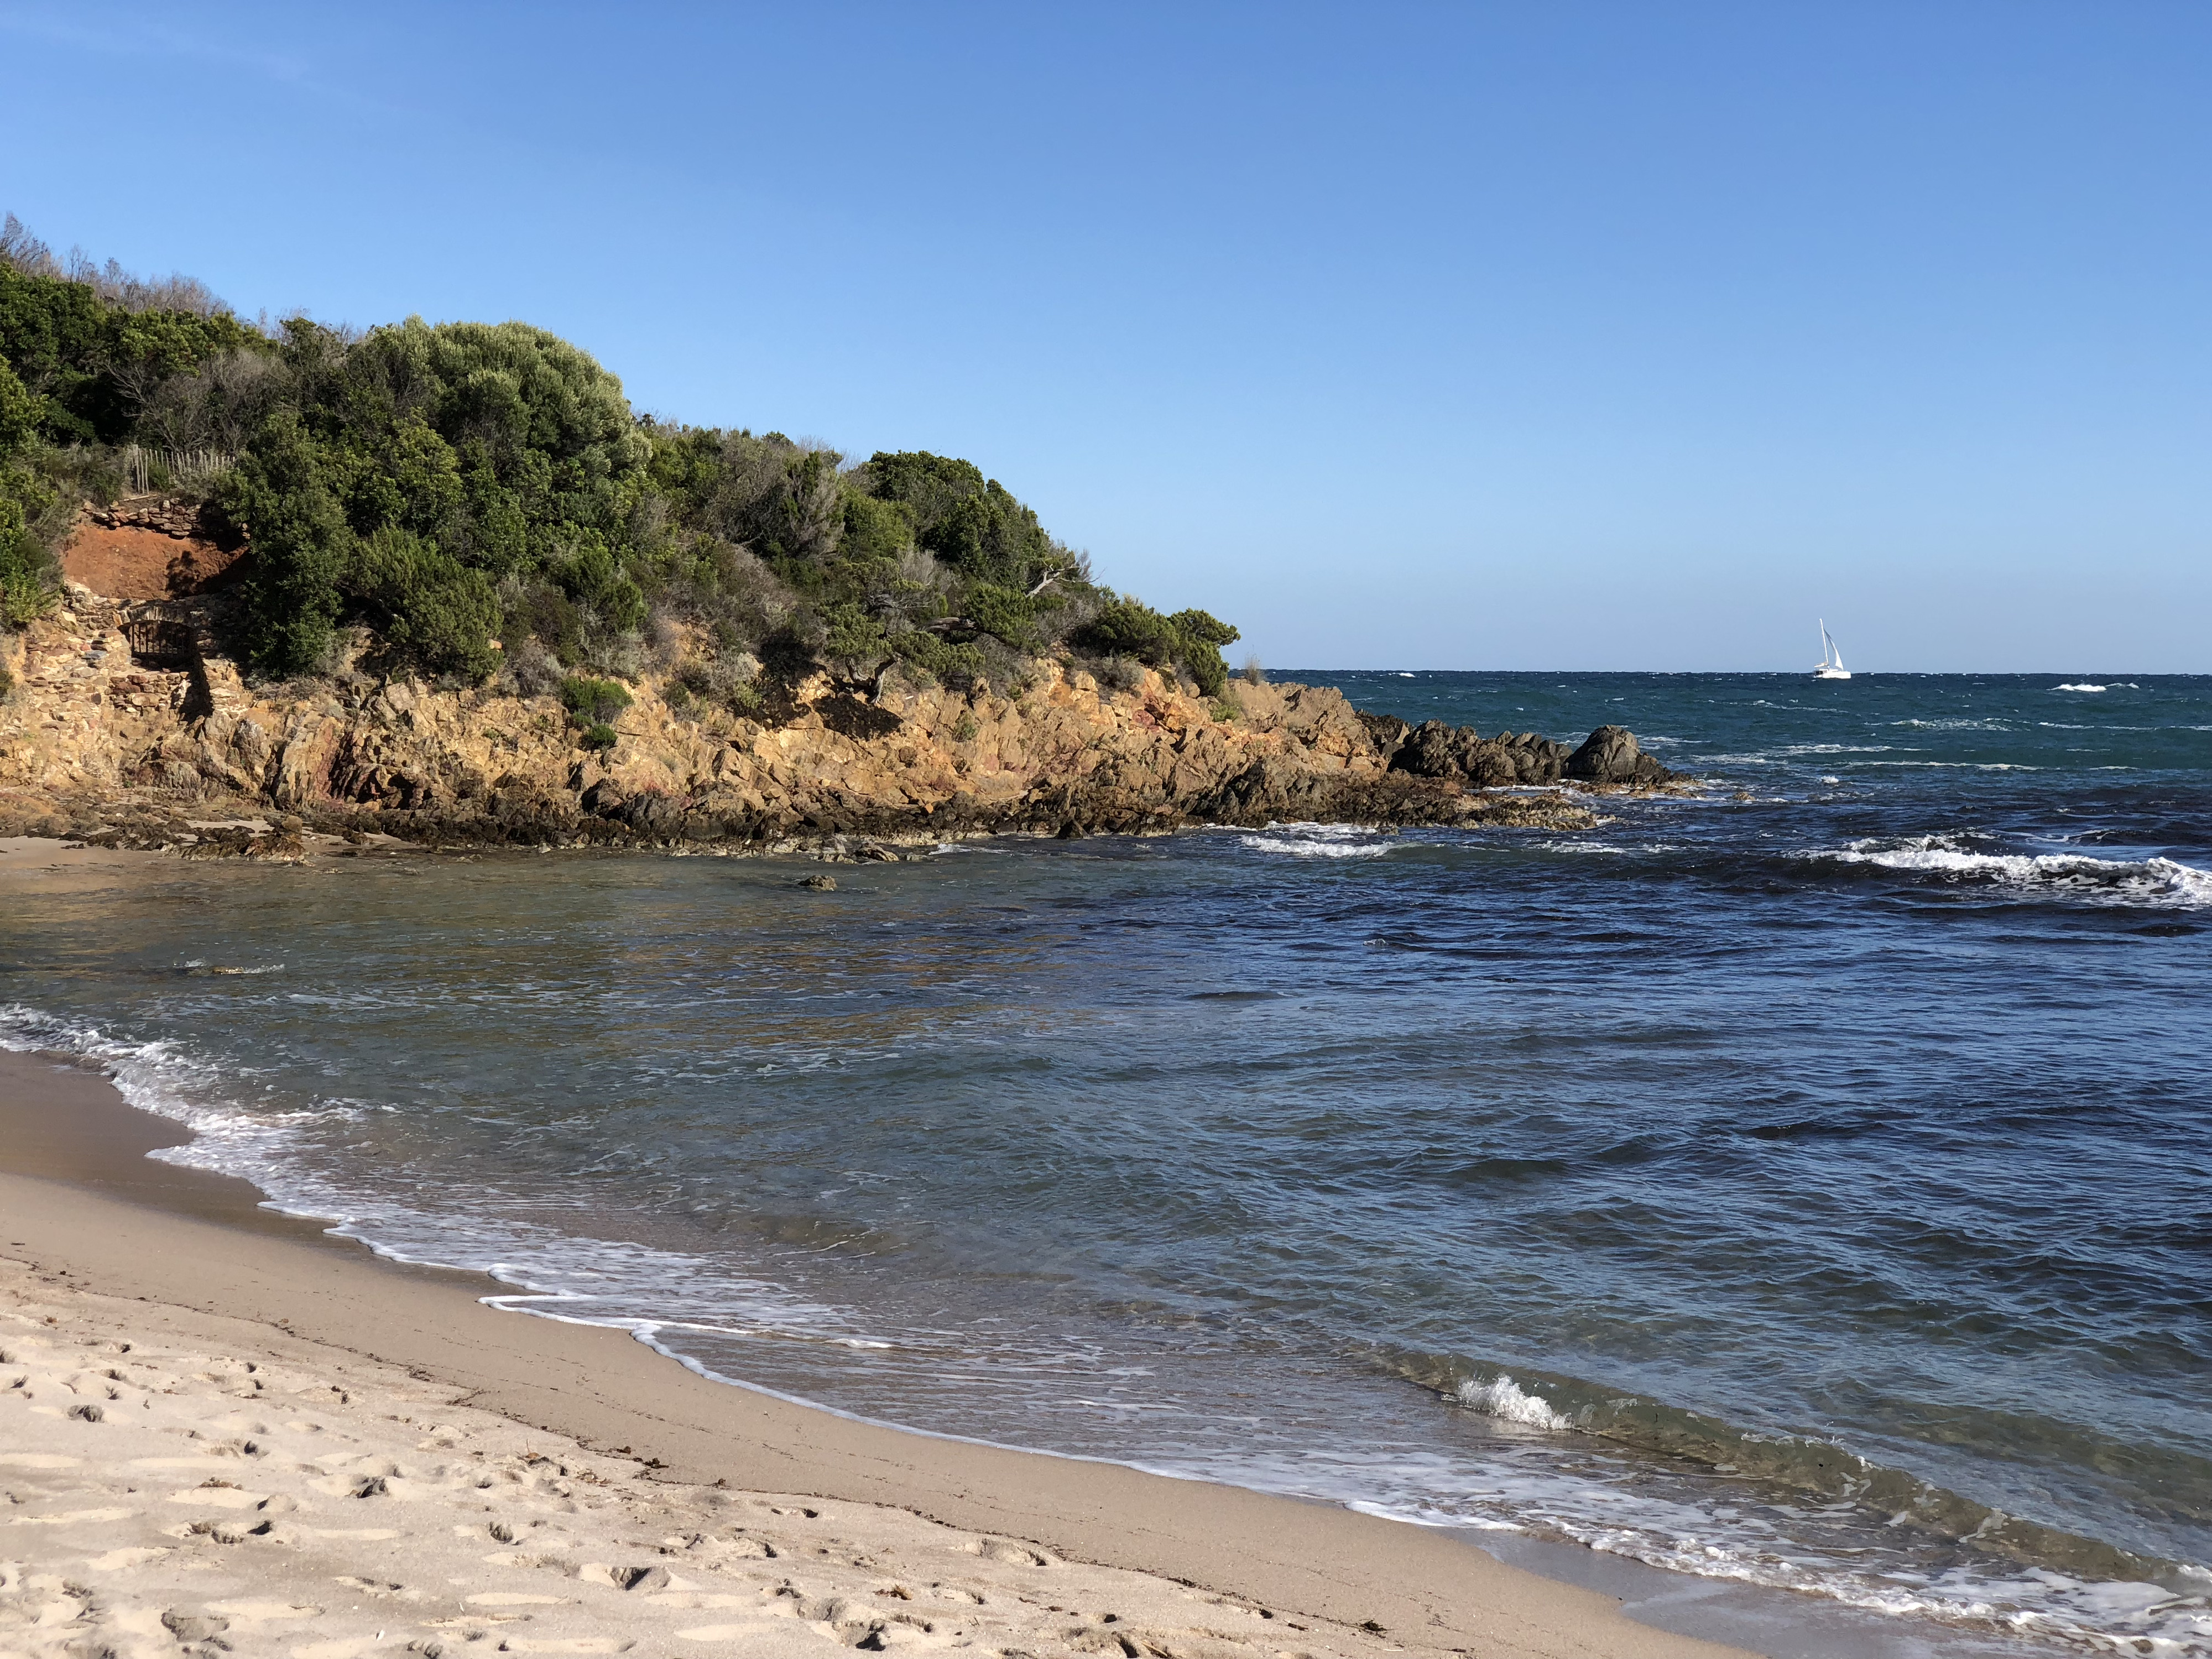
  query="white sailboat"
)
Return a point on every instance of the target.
[{"x": 1831, "y": 660}]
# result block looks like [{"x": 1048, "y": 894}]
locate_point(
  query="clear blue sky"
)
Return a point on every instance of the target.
[{"x": 1548, "y": 334}]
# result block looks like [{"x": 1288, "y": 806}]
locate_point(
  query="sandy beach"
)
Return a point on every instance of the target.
[{"x": 220, "y": 1430}]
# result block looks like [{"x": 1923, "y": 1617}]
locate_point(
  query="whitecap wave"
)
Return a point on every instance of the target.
[
  {"x": 1786, "y": 752},
  {"x": 1502, "y": 1398},
  {"x": 1992, "y": 724},
  {"x": 1311, "y": 849},
  {"x": 1317, "y": 841},
  {"x": 2081, "y": 687},
  {"x": 2162, "y": 882}
]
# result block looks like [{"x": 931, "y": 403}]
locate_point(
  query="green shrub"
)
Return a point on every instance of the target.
[
  {"x": 302, "y": 546},
  {"x": 440, "y": 484},
  {"x": 699, "y": 682},
  {"x": 971, "y": 522},
  {"x": 435, "y": 613},
  {"x": 1192, "y": 639},
  {"x": 1127, "y": 629},
  {"x": 1202, "y": 627},
  {"x": 93, "y": 363},
  {"x": 497, "y": 448},
  {"x": 599, "y": 739},
  {"x": 875, "y": 529},
  {"x": 956, "y": 665},
  {"x": 28, "y": 576},
  {"x": 26, "y": 569},
  {"x": 591, "y": 703},
  {"x": 850, "y": 632},
  {"x": 1201, "y": 637},
  {"x": 1002, "y": 611},
  {"x": 19, "y": 412}
]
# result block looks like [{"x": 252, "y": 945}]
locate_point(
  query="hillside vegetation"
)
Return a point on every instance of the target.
[{"x": 482, "y": 500}]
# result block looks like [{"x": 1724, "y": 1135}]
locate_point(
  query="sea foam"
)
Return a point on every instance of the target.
[
  {"x": 2153, "y": 881},
  {"x": 1505, "y": 1398},
  {"x": 1317, "y": 841}
]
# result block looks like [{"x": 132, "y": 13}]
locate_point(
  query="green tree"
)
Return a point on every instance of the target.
[
  {"x": 1201, "y": 636},
  {"x": 302, "y": 545},
  {"x": 421, "y": 464},
  {"x": 26, "y": 571},
  {"x": 969, "y": 521},
  {"x": 93, "y": 365},
  {"x": 433, "y": 611},
  {"x": 19, "y": 413},
  {"x": 438, "y": 483}
]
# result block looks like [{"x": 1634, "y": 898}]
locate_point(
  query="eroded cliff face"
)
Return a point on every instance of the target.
[{"x": 130, "y": 706}]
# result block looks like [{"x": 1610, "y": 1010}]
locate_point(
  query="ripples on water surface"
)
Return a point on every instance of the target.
[{"x": 1808, "y": 1183}]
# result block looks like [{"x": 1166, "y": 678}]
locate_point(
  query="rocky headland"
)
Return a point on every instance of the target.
[{"x": 129, "y": 720}]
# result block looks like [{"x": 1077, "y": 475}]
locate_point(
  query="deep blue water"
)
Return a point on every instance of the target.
[{"x": 1805, "y": 1183}]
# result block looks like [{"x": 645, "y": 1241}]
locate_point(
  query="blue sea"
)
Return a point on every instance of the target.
[{"x": 1805, "y": 1182}]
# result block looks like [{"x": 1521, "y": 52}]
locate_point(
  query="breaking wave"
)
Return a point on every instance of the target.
[
  {"x": 2162, "y": 882},
  {"x": 1317, "y": 841},
  {"x": 1502, "y": 1398},
  {"x": 2020, "y": 1577}
]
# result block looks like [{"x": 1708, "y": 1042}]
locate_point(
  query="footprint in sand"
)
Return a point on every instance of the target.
[
  {"x": 73, "y": 1518},
  {"x": 262, "y": 1613},
  {"x": 220, "y": 1497},
  {"x": 124, "y": 1561},
  {"x": 1010, "y": 1554}
]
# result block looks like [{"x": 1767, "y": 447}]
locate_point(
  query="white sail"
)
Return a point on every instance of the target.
[{"x": 1831, "y": 660}]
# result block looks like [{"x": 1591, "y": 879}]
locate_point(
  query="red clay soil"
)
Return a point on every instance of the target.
[{"x": 127, "y": 563}]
